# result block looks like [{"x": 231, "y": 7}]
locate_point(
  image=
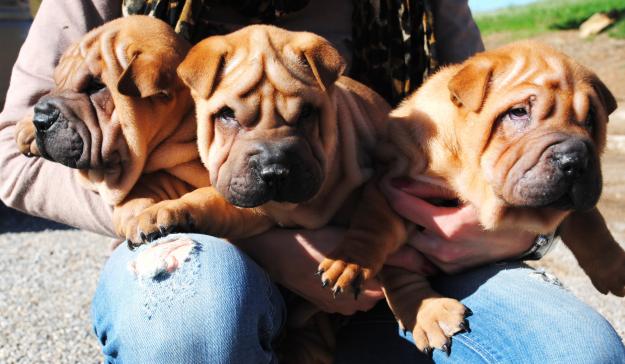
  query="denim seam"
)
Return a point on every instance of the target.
[
  {"x": 478, "y": 348},
  {"x": 269, "y": 291}
]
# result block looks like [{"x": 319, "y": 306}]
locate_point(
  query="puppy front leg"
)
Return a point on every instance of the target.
[
  {"x": 25, "y": 134},
  {"x": 375, "y": 231},
  {"x": 203, "y": 210},
  {"x": 149, "y": 190},
  {"x": 596, "y": 250},
  {"x": 432, "y": 318}
]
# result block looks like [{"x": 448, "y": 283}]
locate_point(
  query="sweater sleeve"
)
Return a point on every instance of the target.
[
  {"x": 35, "y": 185},
  {"x": 457, "y": 35}
]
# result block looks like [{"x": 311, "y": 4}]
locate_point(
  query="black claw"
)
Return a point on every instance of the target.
[
  {"x": 325, "y": 283},
  {"x": 131, "y": 245},
  {"x": 464, "y": 326},
  {"x": 405, "y": 331},
  {"x": 153, "y": 236},
  {"x": 319, "y": 273},
  {"x": 163, "y": 230},
  {"x": 143, "y": 237},
  {"x": 427, "y": 351},
  {"x": 446, "y": 348},
  {"x": 467, "y": 312},
  {"x": 356, "y": 284}
]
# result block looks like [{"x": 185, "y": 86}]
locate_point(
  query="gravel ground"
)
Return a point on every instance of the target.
[{"x": 46, "y": 282}]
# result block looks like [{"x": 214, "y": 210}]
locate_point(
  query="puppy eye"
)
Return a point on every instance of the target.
[
  {"x": 226, "y": 115},
  {"x": 164, "y": 95},
  {"x": 589, "y": 123},
  {"x": 307, "y": 111},
  {"x": 94, "y": 85},
  {"x": 518, "y": 113}
]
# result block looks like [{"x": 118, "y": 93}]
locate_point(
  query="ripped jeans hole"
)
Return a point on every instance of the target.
[
  {"x": 546, "y": 277},
  {"x": 166, "y": 271}
]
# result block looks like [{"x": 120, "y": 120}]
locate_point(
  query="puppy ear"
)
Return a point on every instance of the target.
[
  {"x": 324, "y": 61},
  {"x": 201, "y": 68},
  {"x": 144, "y": 77},
  {"x": 468, "y": 87},
  {"x": 607, "y": 99}
]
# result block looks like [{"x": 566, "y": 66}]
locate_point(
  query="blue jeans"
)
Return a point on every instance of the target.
[{"x": 221, "y": 307}]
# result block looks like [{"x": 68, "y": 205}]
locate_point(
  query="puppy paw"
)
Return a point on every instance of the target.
[
  {"x": 343, "y": 275},
  {"x": 25, "y": 138},
  {"x": 609, "y": 277},
  {"x": 438, "y": 319},
  {"x": 157, "y": 221}
]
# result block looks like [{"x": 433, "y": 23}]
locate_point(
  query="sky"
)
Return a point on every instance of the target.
[{"x": 488, "y": 5}]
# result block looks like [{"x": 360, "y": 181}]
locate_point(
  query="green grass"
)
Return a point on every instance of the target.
[{"x": 548, "y": 15}]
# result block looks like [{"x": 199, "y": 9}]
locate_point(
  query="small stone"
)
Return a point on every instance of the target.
[{"x": 595, "y": 25}]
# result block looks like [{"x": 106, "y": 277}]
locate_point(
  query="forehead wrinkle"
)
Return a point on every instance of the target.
[
  {"x": 546, "y": 104},
  {"x": 518, "y": 66},
  {"x": 581, "y": 105},
  {"x": 120, "y": 53},
  {"x": 267, "y": 105},
  {"x": 281, "y": 77},
  {"x": 244, "y": 79},
  {"x": 88, "y": 40},
  {"x": 247, "y": 107},
  {"x": 107, "y": 41},
  {"x": 559, "y": 73},
  {"x": 288, "y": 107},
  {"x": 235, "y": 61}
]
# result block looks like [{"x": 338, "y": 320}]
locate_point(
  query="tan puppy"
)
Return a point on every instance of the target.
[
  {"x": 519, "y": 136},
  {"x": 119, "y": 112},
  {"x": 280, "y": 133},
  {"x": 517, "y": 132}
]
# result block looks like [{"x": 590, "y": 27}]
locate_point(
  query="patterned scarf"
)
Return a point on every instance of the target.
[{"x": 393, "y": 40}]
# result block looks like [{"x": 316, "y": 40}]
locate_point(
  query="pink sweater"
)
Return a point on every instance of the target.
[{"x": 50, "y": 190}]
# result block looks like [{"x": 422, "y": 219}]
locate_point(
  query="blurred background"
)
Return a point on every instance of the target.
[{"x": 48, "y": 271}]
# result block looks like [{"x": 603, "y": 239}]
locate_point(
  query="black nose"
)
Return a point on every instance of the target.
[
  {"x": 571, "y": 157},
  {"x": 46, "y": 114},
  {"x": 275, "y": 175}
]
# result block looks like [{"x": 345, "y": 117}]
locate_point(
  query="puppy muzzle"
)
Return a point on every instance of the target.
[
  {"x": 282, "y": 172},
  {"x": 565, "y": 176},
  {"x": 61, "y": 136}
]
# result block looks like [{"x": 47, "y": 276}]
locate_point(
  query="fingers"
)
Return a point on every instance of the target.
[
  {"x": 408, "y": 258},
  {"x": 412, "y": 208},
  {"x": 372, "y": 288},
  {"x": 443, "y": 221},
  {"x": 422, "y": 189},
  {"x": 450, "y": 257}
]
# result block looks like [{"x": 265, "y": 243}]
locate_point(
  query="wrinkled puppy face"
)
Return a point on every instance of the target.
[
  {"x": 266, "y": 121},
  {"x": 543, "y": 118},
  {"x": 121, "y": 71}
]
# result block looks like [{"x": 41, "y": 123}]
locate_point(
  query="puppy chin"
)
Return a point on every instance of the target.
[
  {"x": 247, "y": 199},
  {"x": 252, "y": 191},
  {"x": 546, "y": 186}
]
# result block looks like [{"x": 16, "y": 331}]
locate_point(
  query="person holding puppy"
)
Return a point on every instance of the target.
[{"x": 224, "y": 307}]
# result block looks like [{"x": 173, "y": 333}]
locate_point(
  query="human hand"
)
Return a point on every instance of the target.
[
  {"x": 291, "y": 258},
  {"x": 452, "y": 238}
]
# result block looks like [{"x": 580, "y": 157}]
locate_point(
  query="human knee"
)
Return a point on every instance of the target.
[
  {"x": 217, "y": 293},
  {"x": 209, "y": 265}
]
